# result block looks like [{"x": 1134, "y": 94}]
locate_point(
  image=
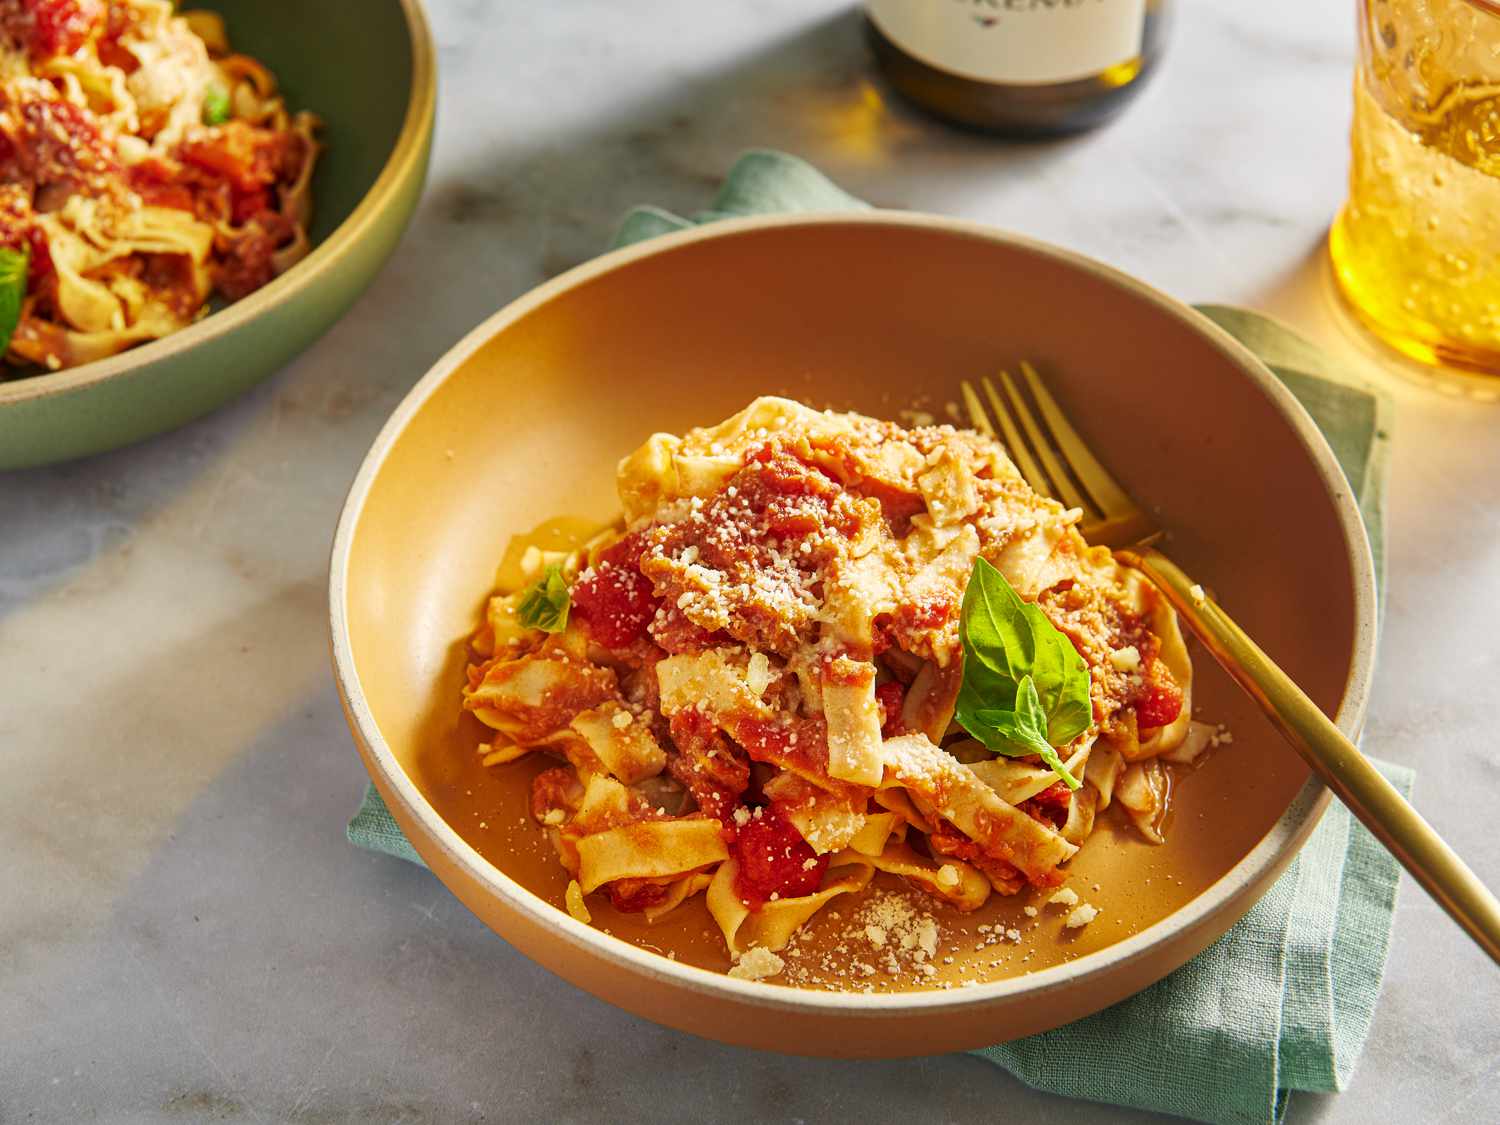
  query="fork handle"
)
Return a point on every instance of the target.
[{"x": 1335, "y": 759}]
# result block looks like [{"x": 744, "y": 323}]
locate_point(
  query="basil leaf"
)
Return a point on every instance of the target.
[
  {"x": 13, "y": 268},
  {"x": 215, "y": 107},
  {"x": 1025, "y": 688},
  {"x": 545, "y": 604},
  {"x": 1071, "y": 711},
  {"x": 1025, "y": 729}
]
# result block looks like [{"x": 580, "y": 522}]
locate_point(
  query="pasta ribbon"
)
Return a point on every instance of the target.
[
  {"x": 772, "y": 926},
  {"x": 963, "y": 887},
  {"x": 649, "y": 849},
  {"x": 151, "y": 169},
  {"x": 752, "y": 681}
]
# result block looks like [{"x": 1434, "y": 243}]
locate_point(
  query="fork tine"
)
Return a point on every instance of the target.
[
  {"x": 1013, "y": 443},
  {"x": 977, "y": 416},
  {"x": 1112, "y": 500},
  {"x": 1066, "y": 491}
]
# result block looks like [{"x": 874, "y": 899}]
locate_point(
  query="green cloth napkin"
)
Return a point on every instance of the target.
[{"x": 1282, "y": 1001}]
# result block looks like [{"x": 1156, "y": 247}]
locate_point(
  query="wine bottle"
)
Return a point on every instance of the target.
[{"x": 1018, "y": 67}]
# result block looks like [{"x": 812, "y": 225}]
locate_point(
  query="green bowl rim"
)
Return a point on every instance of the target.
[{"x": 405, "y": 161}]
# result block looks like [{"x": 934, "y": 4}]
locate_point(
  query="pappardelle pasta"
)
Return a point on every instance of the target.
[
  {"x": 146, "y": 167},
  {"x": 811, "y": 651}
]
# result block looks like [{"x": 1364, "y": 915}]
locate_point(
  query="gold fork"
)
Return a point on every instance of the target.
[{"x": 1056, "y": 462}]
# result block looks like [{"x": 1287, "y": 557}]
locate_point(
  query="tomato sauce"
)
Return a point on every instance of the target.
[
  {"x": 555, "y": 788},
  {"x": 889, "y": 697},
  {"x": 249, "y": 258},
  {"x": 846, "y": 669},
  {"x": 707, "y": 766},
  {"x": 58, "y": 144},
  {"x": 631, "y": 896},
  {"x": 41, "y": 257},
  {"x": 677, "y": 633},
  {"x": 155, "y": 181},
  {"x": 248, "y": 156},
  {"x": 1050, "y": 806},
  {"x": 791, "y": 498}
]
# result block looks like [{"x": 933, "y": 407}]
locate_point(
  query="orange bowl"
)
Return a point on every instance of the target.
[{"x": 524, "y": 420}]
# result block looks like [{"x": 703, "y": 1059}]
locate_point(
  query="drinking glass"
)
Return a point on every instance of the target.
[{"x": 1416, "y": 249}]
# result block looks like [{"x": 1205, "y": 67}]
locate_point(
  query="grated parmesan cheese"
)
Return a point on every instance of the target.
[
  {"x": 1082, "y": 916},
  {"x": 1065, "y": 897},
  {"x": 757, "y": 963},
  {"x": 758, "y": 673}
]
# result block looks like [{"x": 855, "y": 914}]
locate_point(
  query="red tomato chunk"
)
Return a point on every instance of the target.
[
  {"x": 60, "y": 27},
  {"x": 774, "y": 860},
  {"x": 1159, "y": 705},
  {"x": 614, "y": 598}
]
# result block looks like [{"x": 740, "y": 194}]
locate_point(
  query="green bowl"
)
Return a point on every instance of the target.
[{"x": 368, "y": 68}]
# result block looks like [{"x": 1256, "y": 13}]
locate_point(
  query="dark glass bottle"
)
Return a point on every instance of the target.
[{"x": 1024, "y": 68}]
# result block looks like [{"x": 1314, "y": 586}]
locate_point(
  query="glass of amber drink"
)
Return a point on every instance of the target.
[{"x": 1416, "y": 249}]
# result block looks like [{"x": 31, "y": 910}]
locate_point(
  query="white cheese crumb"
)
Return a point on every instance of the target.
[
  {"x": 1126, "y": 659},
  {"x": 1195, "y": 592},
  {"x": 1082, "y": 916},
  {"x": 554, "y": 817},
  {"x": 927, "y": 936},
  {"x": 1029, "y": 911},
  {"x": 1065, "y": 897},
  {"x": 742, "y": 816},
  {"x": 757, "y": 963},
  {"x": 876, "y": 935},
  {"x": 947, "y": 876},
  {"x": 758, "y": 673},
  {"x": 620, "y": 719}
]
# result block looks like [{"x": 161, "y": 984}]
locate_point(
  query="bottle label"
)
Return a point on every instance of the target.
[{"x": 1018, "y": 42}]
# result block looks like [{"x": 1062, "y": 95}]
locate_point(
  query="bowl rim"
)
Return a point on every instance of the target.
[
  {"x": 405, "y": 156},
  {"x": 1274, "y": 850}
]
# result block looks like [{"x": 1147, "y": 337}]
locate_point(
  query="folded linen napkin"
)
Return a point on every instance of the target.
[{"x": 1282, "y": 1001}]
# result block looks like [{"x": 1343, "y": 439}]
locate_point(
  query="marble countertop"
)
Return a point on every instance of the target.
[{"x": 185, "y": 934}]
